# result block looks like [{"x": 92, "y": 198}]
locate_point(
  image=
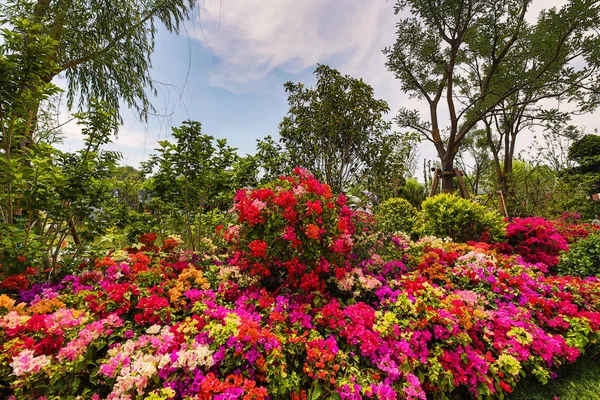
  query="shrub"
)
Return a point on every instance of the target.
[
  {"x": 570, "y": 227},
  {"x": 449, "y": 215},
  {"x": 293, "y": 232},
  {"x": 582, "y": 258},
  {"x": 396, "y": 215},
  {"x": 536, "y": 240},
  {"x": 414, "y": 192}
]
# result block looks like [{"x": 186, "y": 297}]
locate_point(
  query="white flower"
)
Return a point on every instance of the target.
[{"x": 153, "y": 330}]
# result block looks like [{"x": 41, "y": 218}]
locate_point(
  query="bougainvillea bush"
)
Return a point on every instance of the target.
[
  {"x": 536, "y": 240},
  {"x": 293, "y": 232},
  {"x": 411, "y": 320}
]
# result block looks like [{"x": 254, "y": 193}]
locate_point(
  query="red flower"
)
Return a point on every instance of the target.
[
  {"x": 15, "y": 282},
  {"x": 313, "y": 207},
  {"x": 505, "y": 386},
  {"x": 258, "y": 248}
]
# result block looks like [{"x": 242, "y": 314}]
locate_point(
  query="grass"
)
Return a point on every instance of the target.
[{"x": 577, "y": 381}]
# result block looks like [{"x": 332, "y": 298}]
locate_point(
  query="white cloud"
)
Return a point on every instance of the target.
[{"x": 251, "y": 39}]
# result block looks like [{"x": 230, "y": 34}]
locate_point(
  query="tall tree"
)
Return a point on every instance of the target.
[
  {"x": 467, "y": 58},
  {"x": 336, "y": 128},
  {"x": 102, "y": 48}
]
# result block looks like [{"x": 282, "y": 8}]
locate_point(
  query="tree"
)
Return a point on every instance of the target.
[
  {"x": 414, "y": 192},
  {"x": 59, "y": 195},
  {"x": 274, "y": 161},
  {"x": 536, "y": 190},
  {"x": 102, "y": 48},
  {"x": 390, "y": 159},
  {"x": 191, "y": 176},
  {"x": 22, "y": 68},
  {"x": 335, "y": 129},
  {"x": 553, "y": 149},
  {"x": 479, "y": 56}
]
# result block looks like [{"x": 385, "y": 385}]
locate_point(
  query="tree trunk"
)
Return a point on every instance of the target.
[
  {"x": 503, "y": 194},
  {"x": 504, "y": 185},
  {"x": 447, "y": 177}
]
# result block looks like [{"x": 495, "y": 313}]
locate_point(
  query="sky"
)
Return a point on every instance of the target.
[{"x": 227, "y": 68}]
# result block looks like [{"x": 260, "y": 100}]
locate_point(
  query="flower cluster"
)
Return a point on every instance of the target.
[
  {"x": 292, "y": 233},
  {"x": 536, "y": 240}
]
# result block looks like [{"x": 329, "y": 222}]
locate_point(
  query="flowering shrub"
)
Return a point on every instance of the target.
[
  {"x": 536, "y": 240},
  {"x": 293, "y": 232},
  {"x": 429, "y": 319},
  {"x": 570, "y": 227}
]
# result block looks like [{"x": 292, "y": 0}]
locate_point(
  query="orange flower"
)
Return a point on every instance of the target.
[
  {"x": 6, "y": 302},
  {"x": 312, "y": 231}
]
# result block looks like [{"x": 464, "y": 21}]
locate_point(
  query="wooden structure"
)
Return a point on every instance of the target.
[{"x": 464, "y": 192}]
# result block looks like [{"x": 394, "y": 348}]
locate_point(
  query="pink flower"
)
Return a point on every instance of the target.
[{"x": 25, "y": 362}]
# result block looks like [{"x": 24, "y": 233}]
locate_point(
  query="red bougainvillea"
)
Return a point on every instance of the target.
[{"x": 293, "y": 232}]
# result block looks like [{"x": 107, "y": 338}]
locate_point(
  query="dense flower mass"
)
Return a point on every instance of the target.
[
  {"x": 290, "y": 311},
  {"x": 536, "y": 240},
  {"x": 292, "y": 233}
]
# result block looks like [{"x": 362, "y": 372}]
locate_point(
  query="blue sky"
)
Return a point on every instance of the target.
[{"x": 228, "y": 67}]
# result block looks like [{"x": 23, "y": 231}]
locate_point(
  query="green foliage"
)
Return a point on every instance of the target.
[
  {"x": 448, "y": 215},
  {"x": 414, "y": 192},
  {"x": 396, "y": 215},
  {"x": 51, "y": 196},
  {"x": 194, "y": 175},
  {"x": 273, "y": 159},
  {"x": 59, "y": 196},
  {"x": 103, "y": 49},
  {"x": 586, "y": 152},
  {"x": 582, "y": 258},
  {"x": 536, "y": 190},
  {"x": 584, "y": 177},
  {"x": 337, "y": 131}
]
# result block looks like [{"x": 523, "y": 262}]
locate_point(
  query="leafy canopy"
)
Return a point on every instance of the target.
[
  {"x": 103, "y": 48},
  {"x": 337, "y": 129}
]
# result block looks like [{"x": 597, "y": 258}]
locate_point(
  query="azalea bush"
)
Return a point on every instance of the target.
[
  {"x": 570, "y": 227},
  {"x": 429, "y": 319},
  {"x": 293, "y": 232}
]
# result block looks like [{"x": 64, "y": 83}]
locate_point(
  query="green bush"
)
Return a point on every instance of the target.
[
  {"x": 582, "y": 258},
  {"x": 449, "y": 215},
  {"x": 414, "y": 192},
  {"x": 396, "y": 214}
]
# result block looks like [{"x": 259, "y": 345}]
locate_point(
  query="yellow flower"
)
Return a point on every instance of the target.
[
  {"x": 46, "y": 306},
  {"x": 6, "y": 302}
]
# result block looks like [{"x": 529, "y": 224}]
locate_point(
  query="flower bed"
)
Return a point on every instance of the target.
[{"x": 414, "y": 320}]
